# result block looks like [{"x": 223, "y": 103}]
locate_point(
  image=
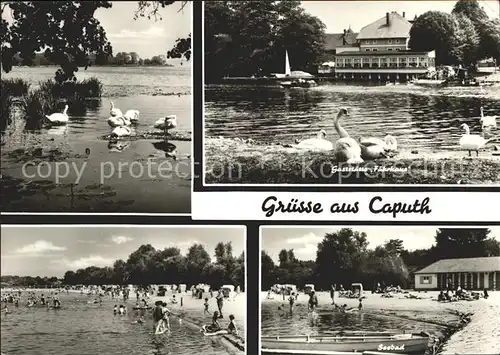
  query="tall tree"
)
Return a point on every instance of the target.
[
  {"x": 435, "y": 30},
  {"x": 267, "y": 271},
  {"x": 461, "y": 242}
]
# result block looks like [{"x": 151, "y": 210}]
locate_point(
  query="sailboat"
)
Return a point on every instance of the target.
[{"x": 299, "y": 82}]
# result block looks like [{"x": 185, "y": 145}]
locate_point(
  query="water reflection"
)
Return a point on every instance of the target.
[
  {"x": 57, "y": 130},
  {"x": 118, "y": 146},
  {"x": 417, "y": 118},
  {"x": 170, "y": 149}
]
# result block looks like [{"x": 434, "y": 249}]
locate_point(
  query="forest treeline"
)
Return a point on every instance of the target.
[{"x": 344, "y": 257}]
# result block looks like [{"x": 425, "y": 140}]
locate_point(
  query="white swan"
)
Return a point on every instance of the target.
[
  {"x": 166, "y": 123},
  {"x": 389, "y": 142},
  {"x": 472, "y": 142},
  {"x": 132, "y": 115},
  {"x": 487, "y": 121},
  {"x": 122, "y": 131},
  {"x": 118, "y": 121},
  {"x": 59, "y": 118},
  {"x": 319, "y": 143},
  {"x": 370, "y": 151},
  {"x": 115, "y": 112},
  {"x": 346, "y": 148}
]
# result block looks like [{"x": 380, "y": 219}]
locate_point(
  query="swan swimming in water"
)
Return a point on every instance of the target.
[
  {"x": 166, "y": 123},
  {"x": 318, "y": 143},
  {"x": 118, "y": 121},
  {"x": 132, "y": 115},
  {"x": 472, "y": 142},
  {"x": 122, "y": 131},
  {"x": 115, "y": 112},
  {"x": 59, "y": 118},
  {"x": 346, "y": 148},
  {"x": 487, "y": 121}
]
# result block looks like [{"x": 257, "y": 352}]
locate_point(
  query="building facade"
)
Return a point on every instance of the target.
[
  {"x": 381, "y": 53},
  {"x": 470, "y": 274}
]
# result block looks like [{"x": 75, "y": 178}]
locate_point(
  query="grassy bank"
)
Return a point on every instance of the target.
[
  {"x": 49, "y": 97},
  {"x": 237, "y": 161}
]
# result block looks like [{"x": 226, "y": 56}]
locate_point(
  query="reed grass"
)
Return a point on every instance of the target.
[
  {"x": 88, "y": 88},
  {"x": 37, "y": 104},
  {"x": 14, "y": 87}
]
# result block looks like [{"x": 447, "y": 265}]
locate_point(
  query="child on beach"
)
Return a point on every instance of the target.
[
  {"x": 360, "y": 306},
  {"x": 206, "y": 311},
  {"x": 291, "y": 300},
  {"x": 231, "y": 328},
  {"x": 122, "y": 310},
  {"x": 173, "y": 300},
  {"x": 166, "y": 319},
  {"x": 215, "y": 326},
  {"x": 115, "y": 309}
]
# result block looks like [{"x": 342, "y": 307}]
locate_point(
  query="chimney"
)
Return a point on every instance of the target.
[
  {"x": 387, "y": 19},
  {"x": 403, "y": 14}
]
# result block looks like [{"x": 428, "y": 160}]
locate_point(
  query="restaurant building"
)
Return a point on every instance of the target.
[
  {"x": 470, "y": 274},
  {"x": 381, "y": 53}
]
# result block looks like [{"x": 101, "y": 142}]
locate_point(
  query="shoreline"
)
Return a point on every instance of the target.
[
  {"x": 461, "y": 327},
  {"x": 236, "y": 161}
]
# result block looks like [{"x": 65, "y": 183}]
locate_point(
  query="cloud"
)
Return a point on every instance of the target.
[
  {"x": 152, "y": 32},
  {"x": 83, "y": 262},
  {"x": 39, "y": 247},
  {"x": 87, "y": 241},
  {"x": 309, "y": 238},
  {"x": 121, "y": 239}
]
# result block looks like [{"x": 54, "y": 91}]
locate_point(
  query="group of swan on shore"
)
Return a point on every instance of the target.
[
  {"x": 346, "y": 148},
  {"x": 121, "y": 122}
]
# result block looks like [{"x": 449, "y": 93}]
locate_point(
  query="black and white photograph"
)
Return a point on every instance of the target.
[
  {"x": 329, "y": 290},
  {"x": 351, "y": 92},
  {"x": 96, "y": 108},
  {"x": 119, "y": 289}
]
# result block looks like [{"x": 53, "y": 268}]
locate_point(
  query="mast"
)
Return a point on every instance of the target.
[{"x": 288, "y": 71}]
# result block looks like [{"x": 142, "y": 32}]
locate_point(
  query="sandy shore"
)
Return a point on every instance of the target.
[
  {"x": 480, "y": 336},
  {"x": 192, "y": 310}
]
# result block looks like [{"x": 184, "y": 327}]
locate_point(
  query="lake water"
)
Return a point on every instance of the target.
[
  {"x": 89, "y": 329},
  {"x": 420, "y": 118},
  {"x": 131, "y": 175}
]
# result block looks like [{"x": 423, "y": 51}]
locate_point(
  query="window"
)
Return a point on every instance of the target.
[
  {"x": 366, "y": 62},
  {"x": 367, "y": 49},
  {"x": 389, "y": 41},
  {"x": 396, "y": 41},
  {"x": 374, "y": 49},
  {"x": 426, "y": 280},
  {"x": 374, "y": 41},
  {"x": 389, "y": 49}
]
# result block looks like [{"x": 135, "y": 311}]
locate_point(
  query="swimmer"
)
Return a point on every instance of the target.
[
  {"x": 231, "y": 328},
  {"x": 173, "y": 300},
  {"x": 206, "y": 311}
]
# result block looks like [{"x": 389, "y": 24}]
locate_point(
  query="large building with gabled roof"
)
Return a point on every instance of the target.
[
  {"x": 468, "y": 273},
  {"x": 381, "y": 53}
]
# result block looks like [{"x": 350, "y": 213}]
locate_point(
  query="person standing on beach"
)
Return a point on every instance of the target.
[
  {"x": 291, "y": 300},
  {"x": 206, "y": 307},
  {"x": 157, "y": 316},
  {"x": 220, "y": 303},
  {"x": 313, "y": 301},
  {"x": 332, "y": 293}
]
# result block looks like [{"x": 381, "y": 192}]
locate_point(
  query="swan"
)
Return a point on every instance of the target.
[
  {"x": 472, "y": 142},
  {"x": 318, "y": 143},
  {"x": 118, "y": 121},
  {"x": 346, "y": 148},
  {"x": 59, "y": 118},
  {"x": 132, "y": 115},
  {"x": 166, "y": 123},
  {"x": 121, "y": 131},
  {"x": 487, "y": 121},
  {"x": 370, "y": 151},
  {"x": 115, "y": 112},
  {"x": 389, "y": 142}
]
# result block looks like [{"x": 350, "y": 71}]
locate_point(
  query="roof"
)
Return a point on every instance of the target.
[
  {"x": 334, "y": 40},
  {"x": 484, "y": 264},
  {"x": 399, "y": 27},
  {"x": 372, "y": 53}
]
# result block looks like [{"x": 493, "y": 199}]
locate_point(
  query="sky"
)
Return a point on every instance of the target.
[
  {"x": 339, "y": 15},
  {"x": 146, "y": 37},
  {"x": 51, "y": 251},
  {"x": 304, "y": 240}
]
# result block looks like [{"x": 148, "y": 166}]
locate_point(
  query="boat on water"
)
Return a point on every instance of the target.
[
  {"x": 428, "y": 82},
  {"x": 299, "y": 83},
  {"x": 411, "y": 343},
  {"x": 295, "y": 79}
]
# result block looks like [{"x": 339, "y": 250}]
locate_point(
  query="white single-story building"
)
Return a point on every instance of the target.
[{"x": 468, "y": 273}]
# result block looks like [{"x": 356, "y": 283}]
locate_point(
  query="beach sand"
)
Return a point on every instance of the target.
[{"x": 480, "y": 336}]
